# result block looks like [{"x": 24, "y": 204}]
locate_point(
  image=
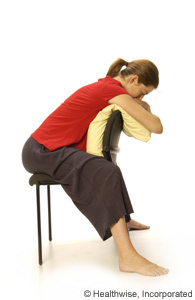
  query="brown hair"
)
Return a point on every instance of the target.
[{"x": 145, "y": 69}]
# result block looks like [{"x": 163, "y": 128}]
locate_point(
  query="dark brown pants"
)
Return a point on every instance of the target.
[{"x": 95, "y": 185}]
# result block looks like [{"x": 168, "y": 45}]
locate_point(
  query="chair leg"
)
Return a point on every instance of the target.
[
  {"x": 49, "y": 212},
  {"x": 39, "y": 224}
]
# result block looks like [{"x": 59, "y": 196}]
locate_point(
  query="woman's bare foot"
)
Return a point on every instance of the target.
[
  {"x": 129, "y": 259},
  {"x": 140, "y": 265},
  {"x": 134, "y": 225}
]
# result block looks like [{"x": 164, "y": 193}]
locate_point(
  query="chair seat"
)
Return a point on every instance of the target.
[{"x": 42, "y": 179}]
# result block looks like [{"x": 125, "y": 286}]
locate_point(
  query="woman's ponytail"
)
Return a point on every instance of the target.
[{"x": 116, "y": 67}]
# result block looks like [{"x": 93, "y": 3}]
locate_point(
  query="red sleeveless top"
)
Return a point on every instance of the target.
[{"x": 68, "y": 124}]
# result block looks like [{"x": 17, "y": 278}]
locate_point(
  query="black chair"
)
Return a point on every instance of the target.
[{"x": 110, "y": 149}]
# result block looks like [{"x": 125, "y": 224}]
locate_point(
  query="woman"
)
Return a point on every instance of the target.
[{"x": 95, "y": 185}]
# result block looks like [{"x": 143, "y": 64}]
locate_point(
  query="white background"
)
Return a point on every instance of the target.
[{"x": 48, "y": 50}]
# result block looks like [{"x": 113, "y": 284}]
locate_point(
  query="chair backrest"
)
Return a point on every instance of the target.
[{"x": 112, "y": 135}]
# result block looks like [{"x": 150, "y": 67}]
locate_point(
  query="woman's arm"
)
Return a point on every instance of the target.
[{"x": 140, "y": 112}]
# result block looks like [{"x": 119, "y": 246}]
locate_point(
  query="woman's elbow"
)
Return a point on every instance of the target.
[{"x": 158, "y": 128}]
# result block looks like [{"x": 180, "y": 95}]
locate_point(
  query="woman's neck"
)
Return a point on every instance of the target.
[{"x": 122, "y": 80}]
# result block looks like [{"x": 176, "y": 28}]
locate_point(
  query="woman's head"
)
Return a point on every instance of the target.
[{"x": 146, "y": 71}]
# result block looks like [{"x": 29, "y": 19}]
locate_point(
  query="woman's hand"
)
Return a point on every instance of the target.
[{"x": 144, "y": 104}]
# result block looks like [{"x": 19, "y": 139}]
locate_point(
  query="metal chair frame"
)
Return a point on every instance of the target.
[{"x": 110, "y": 150}]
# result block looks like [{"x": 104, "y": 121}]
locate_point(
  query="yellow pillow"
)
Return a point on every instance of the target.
[{"x": 131, "y": 127}]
